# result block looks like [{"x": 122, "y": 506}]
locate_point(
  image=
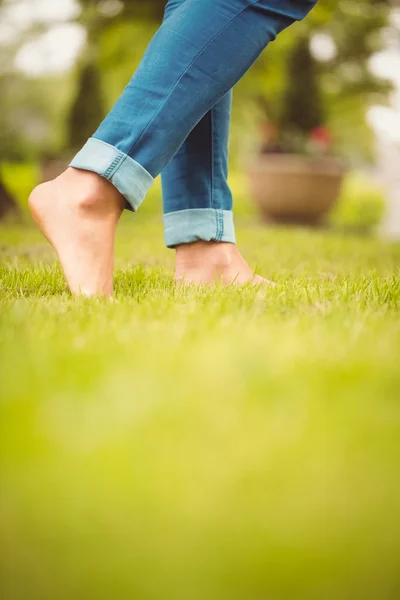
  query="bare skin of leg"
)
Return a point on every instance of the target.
[
  {"x": 78, "y": 214},
  {"x": 214, "y": 262}
]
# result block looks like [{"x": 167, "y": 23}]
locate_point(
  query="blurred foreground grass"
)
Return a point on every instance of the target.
[{"x": 204, "y": 443}]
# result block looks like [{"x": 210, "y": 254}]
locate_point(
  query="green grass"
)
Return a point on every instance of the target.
[{"x": 202, "y": 444}]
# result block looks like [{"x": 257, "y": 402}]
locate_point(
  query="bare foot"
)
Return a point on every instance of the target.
[
  {"x": 78, "y": 214},
  {"x": 211, "y": 262}
]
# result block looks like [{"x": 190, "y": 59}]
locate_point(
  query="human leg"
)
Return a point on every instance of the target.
[{"x": 196, "y": 57}]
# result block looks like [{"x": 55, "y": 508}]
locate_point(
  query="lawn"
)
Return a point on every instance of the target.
[{"x": 202, "y": 444}]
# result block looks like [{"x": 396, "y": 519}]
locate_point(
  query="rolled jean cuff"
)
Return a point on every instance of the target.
[
  {"x": 199, "y": 224},
  {"x": 129, "y": 177}
]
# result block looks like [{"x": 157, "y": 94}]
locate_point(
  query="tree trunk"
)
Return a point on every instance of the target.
[{"x": 8, "y": 206}]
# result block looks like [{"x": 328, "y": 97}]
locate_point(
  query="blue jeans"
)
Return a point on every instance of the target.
[{"x": 173, "y": 117}]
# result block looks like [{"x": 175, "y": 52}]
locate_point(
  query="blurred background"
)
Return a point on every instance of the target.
[
  {"x": 319, "y": 111},
  {"x": 206, "y": 444}
]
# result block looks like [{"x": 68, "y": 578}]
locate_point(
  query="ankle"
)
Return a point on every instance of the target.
[
  {"x": 201, "y": 253},
  {"x": 90, "y": 192}
]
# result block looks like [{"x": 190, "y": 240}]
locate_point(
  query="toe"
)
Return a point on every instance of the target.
[{"x": 258, "y": 280}]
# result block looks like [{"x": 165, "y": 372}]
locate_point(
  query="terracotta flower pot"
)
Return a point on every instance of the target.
[{"x": 290, "y": 188}]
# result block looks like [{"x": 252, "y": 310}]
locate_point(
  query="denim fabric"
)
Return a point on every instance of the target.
[{"x": 173, "y": 116}]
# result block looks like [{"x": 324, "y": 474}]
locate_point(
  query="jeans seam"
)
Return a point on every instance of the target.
[
  {"x": 212, "y": 159},
  {"x": 113, "y": 166},
  {"x": 220, "y": 224},
  {"x": 187, "y": 69}
]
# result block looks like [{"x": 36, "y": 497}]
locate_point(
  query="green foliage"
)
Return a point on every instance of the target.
[
  {"x": 20, "y": 179},
  {"x": 361, "y": 205},
  {"x": 87, "y": 109},
  {"x": 118, "y": 57},
  {"x": 215, "y": 444},
  {"x": 23, "y": 125},
  {"x": 302, "y": 109},
  {"x": 126, "y": 9},
  {"x": 30, "y": 124}
]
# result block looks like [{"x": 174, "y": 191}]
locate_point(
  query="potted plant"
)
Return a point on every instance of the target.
[{"x": 296, "y": 178}]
